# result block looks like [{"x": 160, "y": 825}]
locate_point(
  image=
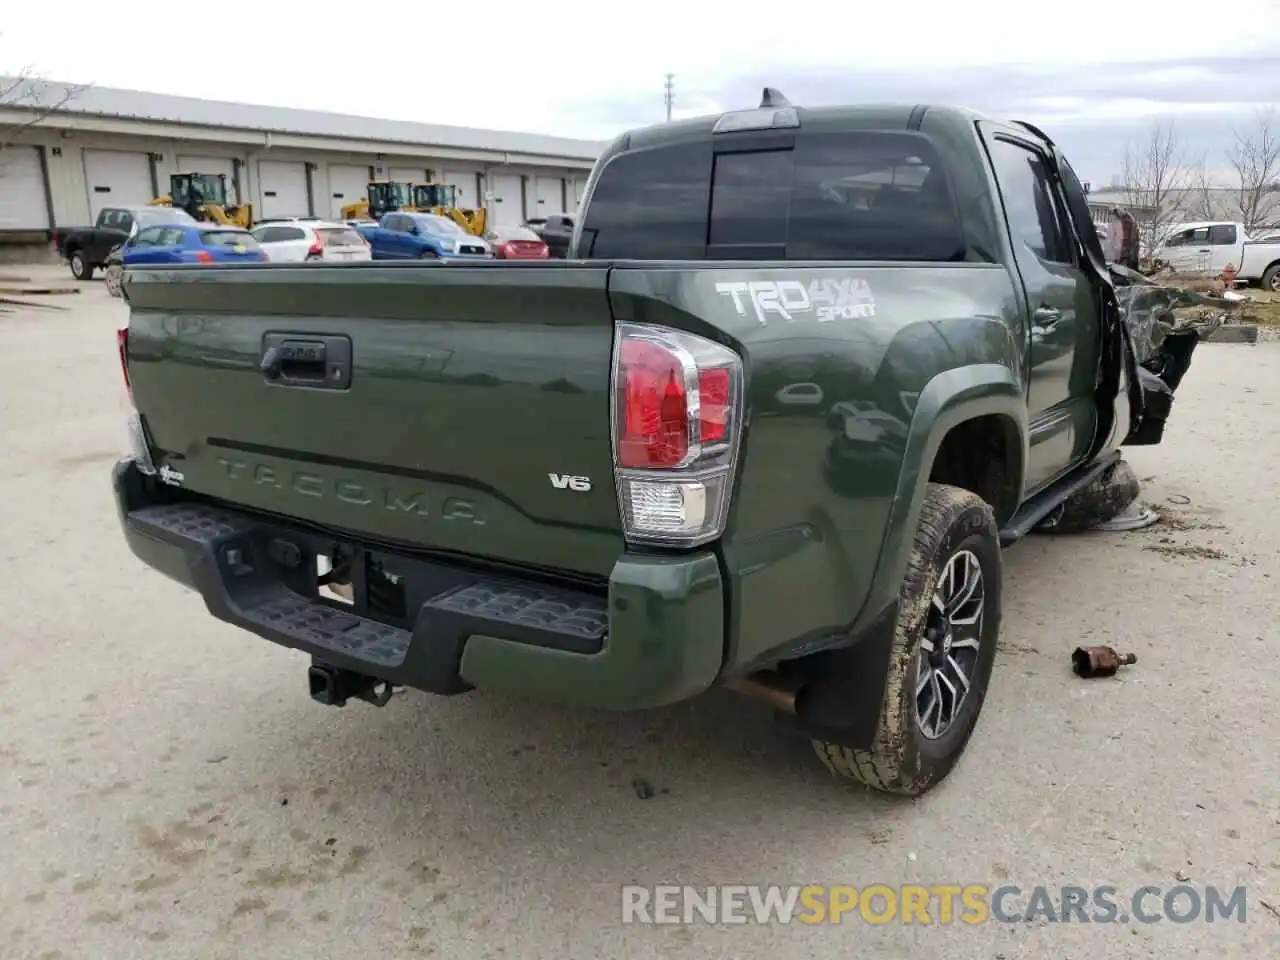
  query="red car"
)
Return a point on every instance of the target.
[{"x": 516, "y": 243}]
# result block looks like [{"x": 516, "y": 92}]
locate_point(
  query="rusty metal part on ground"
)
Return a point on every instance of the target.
[{"x": 1100, "y": 661}]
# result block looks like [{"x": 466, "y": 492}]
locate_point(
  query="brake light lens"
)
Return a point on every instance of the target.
[
  {"x": 122, "y": 347},
  {"x": 204, "y": 256},
  {"x": 139, "y": 448},
  {"x": 317, "y": 246},
  {"x": 677, "y": 405}
]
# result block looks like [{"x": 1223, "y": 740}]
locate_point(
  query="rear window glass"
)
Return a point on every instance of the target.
[
  {"x": 516, "y": 233},
  {"x": 228, "y": 238},
  {"x": 833, "y": 196},
  {"x": 341, "y": 238}
]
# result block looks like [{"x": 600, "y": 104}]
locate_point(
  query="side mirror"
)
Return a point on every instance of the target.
[{"x": 413, "y": 229}]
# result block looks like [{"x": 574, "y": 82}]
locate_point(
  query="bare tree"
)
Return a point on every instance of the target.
[
  {"x": 1255, "y": 157},
  {"x": 1155, "y": 179},
  {"x": 34, "y": 100},
  {"x": 1200, "y": 191}
]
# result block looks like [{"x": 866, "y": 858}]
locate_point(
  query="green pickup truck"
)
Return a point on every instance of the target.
[{"x": 803, "y": 376}]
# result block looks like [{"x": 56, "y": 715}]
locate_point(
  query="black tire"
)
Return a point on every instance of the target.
[
  {"x": 955, "y": 525},
  {"x": 1271, "y": 278},
  {"x": 428, "y": 255},
  {"x": 1105, "y": 498},
  {"x": 81, "y": 268}
]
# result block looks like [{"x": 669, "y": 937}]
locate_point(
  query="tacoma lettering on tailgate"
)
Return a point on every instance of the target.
[{"x": 417, "y": 502}]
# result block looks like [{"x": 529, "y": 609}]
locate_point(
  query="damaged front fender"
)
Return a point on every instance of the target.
[
  {"x": 1162, "y": 341},
  {"x": 1147, "y": 307}
]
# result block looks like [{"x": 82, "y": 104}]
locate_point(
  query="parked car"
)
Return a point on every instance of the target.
[
  {"x": 303, "y": 240},
  {"x": 1208, "y": 247},
  {"x": 86, "y": 248},
  {"x": 553, "y": 482},
  {"x": 423, "y": 236},
  {"x": 191, "y": 243},
  {"x": 516, "y": 243},
  {"x": 556, "y": 230}
]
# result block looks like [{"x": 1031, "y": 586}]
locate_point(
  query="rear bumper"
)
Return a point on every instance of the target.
[{"x": 656, "y": 636}]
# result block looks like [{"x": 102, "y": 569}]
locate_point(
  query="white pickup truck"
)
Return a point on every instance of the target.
[{"x": 1208, "y": 247}]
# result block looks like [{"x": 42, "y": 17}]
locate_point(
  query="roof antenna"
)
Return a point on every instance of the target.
[{"x": 773, "y": 98}]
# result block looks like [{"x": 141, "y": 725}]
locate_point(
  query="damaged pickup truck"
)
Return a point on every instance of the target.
[{"x": 804, "y": 375}]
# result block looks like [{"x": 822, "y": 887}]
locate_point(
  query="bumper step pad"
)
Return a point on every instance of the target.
[{"x": 232, "y": 567}]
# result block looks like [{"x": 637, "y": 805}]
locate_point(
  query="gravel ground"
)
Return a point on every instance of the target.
[{"x": 167, "y": 789}]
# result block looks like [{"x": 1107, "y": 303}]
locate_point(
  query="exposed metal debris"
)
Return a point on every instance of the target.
[
  {"x": 1156, "y": 307},
  {"x": 1136, "y": 516}
]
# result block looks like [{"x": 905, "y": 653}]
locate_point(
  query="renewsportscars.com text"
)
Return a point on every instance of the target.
[{"x": 925, "y": 904}]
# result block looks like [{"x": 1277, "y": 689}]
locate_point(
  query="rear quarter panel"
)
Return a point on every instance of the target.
[{"x": 845, "y": 410}]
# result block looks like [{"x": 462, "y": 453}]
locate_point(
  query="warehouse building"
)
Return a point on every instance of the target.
[{"x": 106, "y": 147}]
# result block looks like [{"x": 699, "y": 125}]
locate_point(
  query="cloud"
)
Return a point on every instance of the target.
[
  {"x": 569, "y": 71},
  {"x": 1093, "y": 111}
]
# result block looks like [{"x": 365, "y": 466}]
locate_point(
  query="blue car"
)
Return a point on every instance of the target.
[
  {"x": 191, "y": 243},
  {"x": 423, "y": 236}
]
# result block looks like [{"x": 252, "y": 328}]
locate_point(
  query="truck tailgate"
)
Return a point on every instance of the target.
[{"x": 448, "y": 407}]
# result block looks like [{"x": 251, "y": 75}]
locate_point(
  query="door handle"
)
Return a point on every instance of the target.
[
  {"x": 1046, "y": 318},
  {"x": 321, "y": 362}
]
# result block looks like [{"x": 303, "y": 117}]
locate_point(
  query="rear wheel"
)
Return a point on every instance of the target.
[
  {"x": 1271, "y": 279},
  {"x": 943, "y": 650},
  {"x": 81, "y": 268},
  {"x": 428, "y": 255}
]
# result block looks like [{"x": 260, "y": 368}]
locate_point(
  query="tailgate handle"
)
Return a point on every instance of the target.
[{"x": 319, "y": 362}]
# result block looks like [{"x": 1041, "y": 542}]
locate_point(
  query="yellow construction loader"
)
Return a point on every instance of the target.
[
  {"x": 204, "y": 196},
  {"x": 384, "y": 196},
  {"x": 442, "y": 200}
]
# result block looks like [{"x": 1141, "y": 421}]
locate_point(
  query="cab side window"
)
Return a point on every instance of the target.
[
  {"x": 1034, "y": 216},
  {"x": 1222, "y": 235},
  {"x": 149, "y": 237}
]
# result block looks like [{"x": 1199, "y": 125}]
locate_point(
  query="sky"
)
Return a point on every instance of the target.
[{"x": 1093, "y": 77}]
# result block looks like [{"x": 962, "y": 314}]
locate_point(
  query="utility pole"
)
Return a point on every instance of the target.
[{"x": 669, "y": 93}]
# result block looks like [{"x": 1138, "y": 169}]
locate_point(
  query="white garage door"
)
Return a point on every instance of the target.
[
  {"x": 215, "y": 165},
  {"x": 550, "y": 197},
  {"x": 22, "y": 195},
  {"x": 117, "y": 179},
  {"x": 283, "y": 187},
  {"x": 346, "y": 185},
  {"x": 579, "y": 184},
  {"x": 409, "y": 174},
  {"x": 505, "y": 206},
  {"x": 465, "y": 181}
]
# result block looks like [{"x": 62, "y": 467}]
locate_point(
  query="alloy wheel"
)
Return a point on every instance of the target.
[{"x": 948, "y": 654}]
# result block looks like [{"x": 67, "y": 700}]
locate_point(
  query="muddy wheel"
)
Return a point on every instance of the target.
[
  {"x": 944, "y": 646},
  {"x": 81, "y": 268},
  {"x": 1097, "y": 503},
  {"x": 112, "y": 279}
]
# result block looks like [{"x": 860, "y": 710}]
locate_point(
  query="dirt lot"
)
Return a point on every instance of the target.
[{"x": 168, "y": 790}]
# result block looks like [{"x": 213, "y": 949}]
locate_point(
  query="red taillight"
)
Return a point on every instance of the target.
[
  {"x": 714, "y": 394},
  {"x": 204, "y": 256},
  {"x": 317, "y": 248},
  {"x": 653, "y": 386},
  {"x": 122, "y": 347},
  {"x": 677, "y": 400}
]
